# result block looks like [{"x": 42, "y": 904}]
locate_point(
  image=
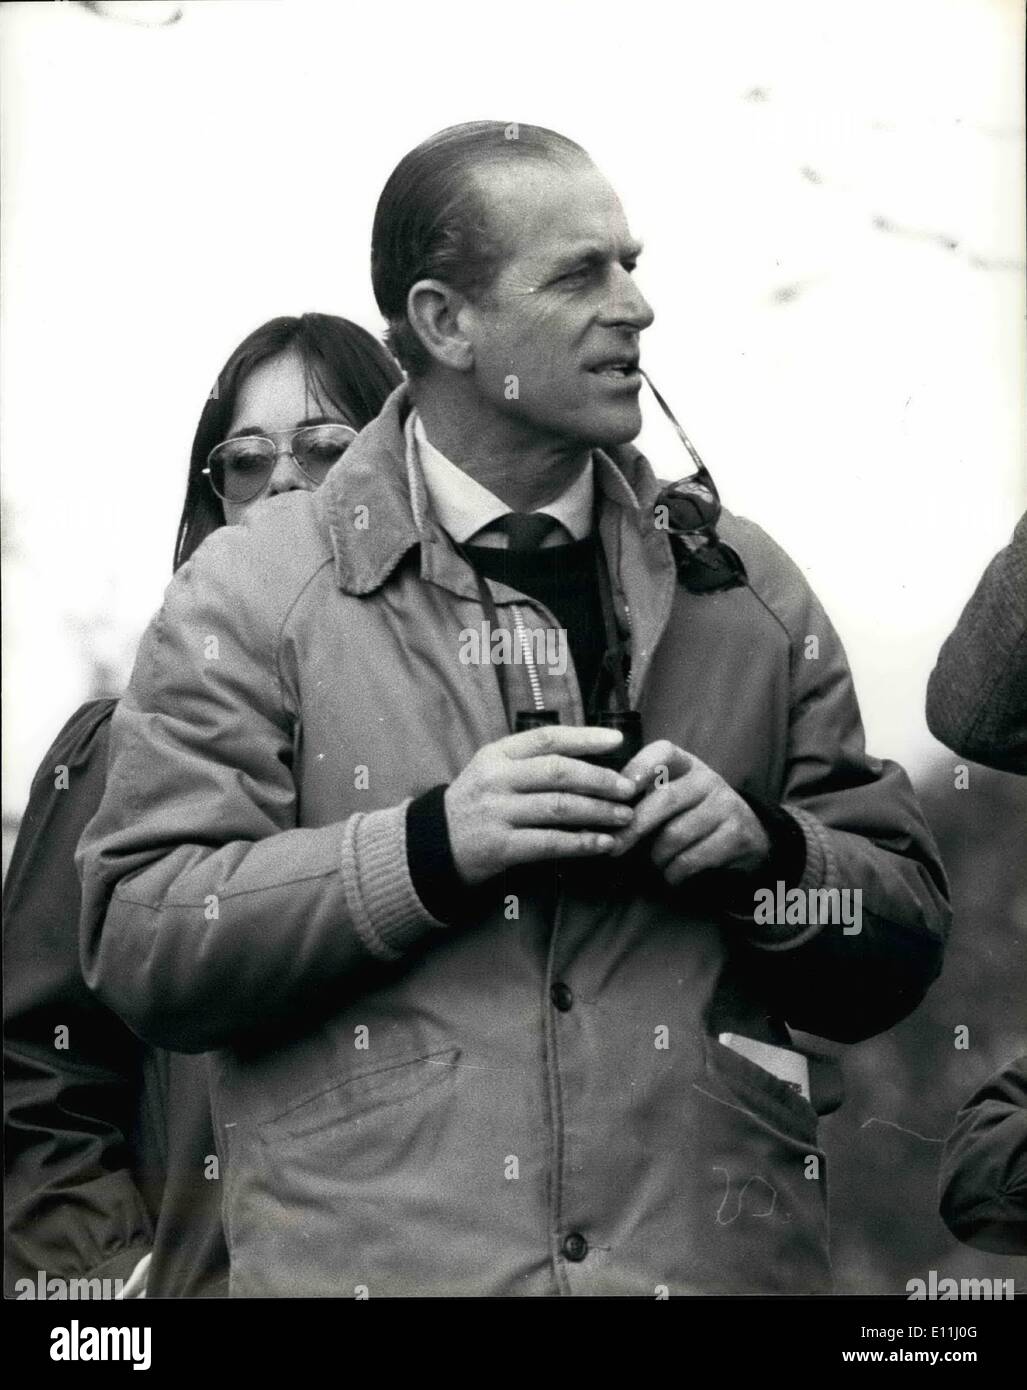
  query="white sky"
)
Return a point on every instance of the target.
[{"x": 858, "y": 391}]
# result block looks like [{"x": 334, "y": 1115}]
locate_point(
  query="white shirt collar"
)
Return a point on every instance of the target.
[{"x": 463, "y": 507}]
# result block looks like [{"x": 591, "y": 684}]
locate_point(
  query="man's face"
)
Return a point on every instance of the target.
[{"x": 555, "y": 336}]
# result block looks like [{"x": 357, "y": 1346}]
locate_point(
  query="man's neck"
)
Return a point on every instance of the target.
[{"x": 521, "y": 469}]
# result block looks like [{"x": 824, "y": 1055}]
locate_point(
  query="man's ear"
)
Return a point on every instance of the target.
[{"x": 433, "y": 308}]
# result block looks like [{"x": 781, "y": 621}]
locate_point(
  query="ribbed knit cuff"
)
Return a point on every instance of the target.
[
  {"x": 386, "y": 911},
  {"x": 433, "y": 870},
  {"x": 785, "y": 863},
  {"x": 787, "y": 859},
  {"x": 812, "y": 872}
]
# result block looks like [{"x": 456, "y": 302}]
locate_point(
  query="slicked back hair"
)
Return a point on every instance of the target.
[
  {"x": 344, "y": 365},
  {"x": 432, "y": 221}
]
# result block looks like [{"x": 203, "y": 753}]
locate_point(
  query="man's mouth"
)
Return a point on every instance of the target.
[{"x": 618, "y": 367}]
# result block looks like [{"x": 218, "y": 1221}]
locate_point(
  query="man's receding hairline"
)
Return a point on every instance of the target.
[
  {"x": 484, "y": 198},
  {"x": 499, "y": 158}
]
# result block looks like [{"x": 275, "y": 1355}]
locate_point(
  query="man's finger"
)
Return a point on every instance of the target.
[
  {"x": 661, "y": 761},
  {"x": 555, "y": 773},
  {"x": 682, "y": 832},
  {"x": 530, "y": 846},
  {"x": 658, "y": 806},
  {"x": 572, "y": 740},
  {"x": 716, "y": 851},
  {"x": 543, "y": 809}
]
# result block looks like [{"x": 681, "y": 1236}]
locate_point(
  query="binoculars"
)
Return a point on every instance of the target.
[{"x": 628, "y": 721}]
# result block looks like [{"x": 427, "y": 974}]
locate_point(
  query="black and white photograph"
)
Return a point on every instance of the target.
[{"x": 515, "y": 673}]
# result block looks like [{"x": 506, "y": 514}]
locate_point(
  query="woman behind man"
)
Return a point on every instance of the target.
[{"x": 110, "y": 1149}]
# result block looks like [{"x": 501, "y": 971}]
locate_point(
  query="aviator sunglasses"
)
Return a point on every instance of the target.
[
  {"x": 240, "y": 469},
  {"x": 688, "y": 511}
]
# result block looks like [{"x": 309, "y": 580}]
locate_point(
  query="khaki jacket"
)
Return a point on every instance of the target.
[{"x": 406, "y": 1107}]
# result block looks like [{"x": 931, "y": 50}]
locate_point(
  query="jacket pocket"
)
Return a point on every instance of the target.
[
  {"x": 359, "y": 1094},
  {"x": 761, "y": 1182},
  {"x": 332, "y": 1192},
  {"x": 771, "y": 1100}
]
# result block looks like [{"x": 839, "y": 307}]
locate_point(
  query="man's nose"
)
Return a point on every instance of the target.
[
  {"x": 287, "y": 476},
  {"x": 628, "y": 305}
]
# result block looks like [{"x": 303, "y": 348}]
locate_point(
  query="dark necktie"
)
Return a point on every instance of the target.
[{"x": 527, "y": 530}]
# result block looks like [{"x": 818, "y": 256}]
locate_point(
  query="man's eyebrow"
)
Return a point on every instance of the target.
[
  {"x": 589, "y": 252},
  {"x": 594, "y": 253},
  {"x": 302, "y": 424}
]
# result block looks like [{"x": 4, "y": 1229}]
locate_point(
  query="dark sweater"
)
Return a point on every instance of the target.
[{"x": 563, "y": 578}]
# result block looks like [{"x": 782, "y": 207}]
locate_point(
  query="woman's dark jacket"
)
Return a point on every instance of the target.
[{"x": 106, "y": 1140}]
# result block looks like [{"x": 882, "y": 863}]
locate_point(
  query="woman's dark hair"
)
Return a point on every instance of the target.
[
  {"x": 343, "y": 363},
  {"x": 432, "y": 221}
]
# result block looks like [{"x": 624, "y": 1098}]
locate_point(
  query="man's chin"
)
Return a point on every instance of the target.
[
  {"x": 610, "y": 428},
  {"x": 594, "y": 425}
]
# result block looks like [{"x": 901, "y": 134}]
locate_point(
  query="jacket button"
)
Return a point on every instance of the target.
[
  {"x": 562, "y": 997},
  {"x": 575, "y": 1247}
]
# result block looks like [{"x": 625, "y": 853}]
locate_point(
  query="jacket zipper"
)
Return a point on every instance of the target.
[
  {"x": 525, "y": 644},
  {"x": 551, "y": 1063},
  {"x": 631, "y": 672}
]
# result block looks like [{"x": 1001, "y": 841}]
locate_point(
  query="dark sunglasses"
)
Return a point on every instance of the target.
[
  {"x": 240, "y": 469},
  {"x": 688, "y": 511}
]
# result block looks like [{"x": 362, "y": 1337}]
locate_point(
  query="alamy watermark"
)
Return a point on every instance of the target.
[
  {"x": 801, "y": 907},
  {"x": 543, "y": 646},
  {"x": 53, "y": 1287},
  {"x": 947, "y": 1288},
  {"x": 84, "y": 1343}
]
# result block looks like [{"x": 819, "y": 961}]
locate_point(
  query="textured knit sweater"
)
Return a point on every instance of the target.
[{"x": 977, "y": 694}]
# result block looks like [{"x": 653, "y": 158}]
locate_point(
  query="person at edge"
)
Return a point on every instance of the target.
[
  {"x": 977, "y": 706},
  {"x": 467, "y": 987}
]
